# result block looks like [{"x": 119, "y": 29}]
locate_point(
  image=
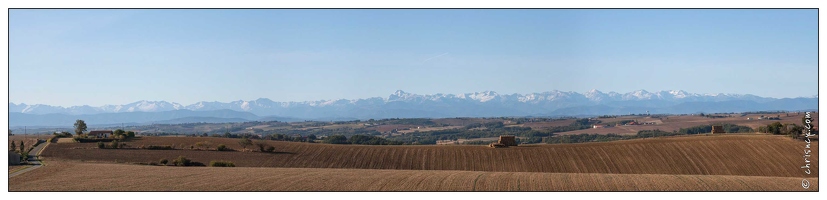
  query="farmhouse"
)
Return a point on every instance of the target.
[
  {"x": 100, "y": 133},
  {"x": 717, "y": 129}
]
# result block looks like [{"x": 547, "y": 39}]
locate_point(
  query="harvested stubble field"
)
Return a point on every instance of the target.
[
  {"x": 541, "y": 125},
  {"x": 391, "y": 127},
  {"x": 64, "y": 176},
  {"x": 740, "y": 155},
  {"x": 463, "y": 121},
  {"x": 423, "y": 129}
]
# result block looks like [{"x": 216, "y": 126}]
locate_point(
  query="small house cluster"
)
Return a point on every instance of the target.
[{"x": 100, "y": 134}]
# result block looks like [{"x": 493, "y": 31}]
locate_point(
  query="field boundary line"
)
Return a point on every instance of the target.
[
  {"x": 21, "y": 169},
  {"x": 42, "y": 163},
  {"x": 41, "y": 149}
]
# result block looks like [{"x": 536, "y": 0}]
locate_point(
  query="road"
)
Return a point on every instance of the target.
[{"x": 34, "y": 160}]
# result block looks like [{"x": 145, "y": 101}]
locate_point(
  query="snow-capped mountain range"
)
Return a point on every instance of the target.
[{"x": 478, "y": 104}]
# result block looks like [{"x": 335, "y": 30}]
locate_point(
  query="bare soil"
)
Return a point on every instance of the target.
[
  {"x": 740, "y": 155},
  {"x": 65, "y": 176}
]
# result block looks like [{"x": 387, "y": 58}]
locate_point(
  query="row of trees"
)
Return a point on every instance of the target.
[
  {"x": 777, "y": 128},
  {"x": 729, "y": 128},
  {"x": 14, "y": 147}
]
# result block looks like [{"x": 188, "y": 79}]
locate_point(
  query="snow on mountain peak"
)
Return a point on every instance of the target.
[
  {"x": 267, "y": 106},
  {"x": 638, "y": 94},
  {"x": 527, "y": 98},
  {"x": 483, "y": 96},
  {"x": 245, "y": 105},
  {"x": 400, "y": 95}
]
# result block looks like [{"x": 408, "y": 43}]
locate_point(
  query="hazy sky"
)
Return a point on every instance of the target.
[{"x": 97, "y": 57}]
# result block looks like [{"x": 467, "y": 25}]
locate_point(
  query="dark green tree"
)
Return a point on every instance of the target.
[
  {"x": 262, "y": 146},
  {"x": 80, "y": 127},
  {"x": 775, "y": 128},
  {"x": 336, "y": 139},
  {"x": 118, "y": 133}
]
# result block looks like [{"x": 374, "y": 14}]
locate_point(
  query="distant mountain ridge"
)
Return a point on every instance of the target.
[{"x": 477, "y": 104}]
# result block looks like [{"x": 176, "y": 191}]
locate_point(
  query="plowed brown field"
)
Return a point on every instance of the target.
[
  {"x": 740, "y": 155},
  {"x": 64, "y": 176}
]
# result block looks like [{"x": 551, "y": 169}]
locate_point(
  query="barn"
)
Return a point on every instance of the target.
[
  {"x": 14, "y": 158},
  {"x": 717, "y": 129},
  {"x": 507, "y": 140}
]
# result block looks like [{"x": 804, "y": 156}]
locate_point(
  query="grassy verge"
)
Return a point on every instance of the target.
[{"x": 20, "y": 169}]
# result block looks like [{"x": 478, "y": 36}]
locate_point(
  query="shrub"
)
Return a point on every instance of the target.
[
  {"x": 24, "y": 157},
  {"x": 158, "y": 147},
  {"x": 244, "y": 142},
  {"x": 164, "y": 161},
  {"x": 182, "y": 161},
  {"x": 271, "y": 149},
  {"x": 262, "y": 146},
  {"x": 101, "y": 145},
  {"x": 114, "y": 144},
  {"x": 221, "y": 164},
  {"x": 206, "y": 145},
  {"x": 222, "y": 147}
]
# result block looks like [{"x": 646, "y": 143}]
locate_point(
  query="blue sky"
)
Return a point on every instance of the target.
[{"x": 97, "y": 57}]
